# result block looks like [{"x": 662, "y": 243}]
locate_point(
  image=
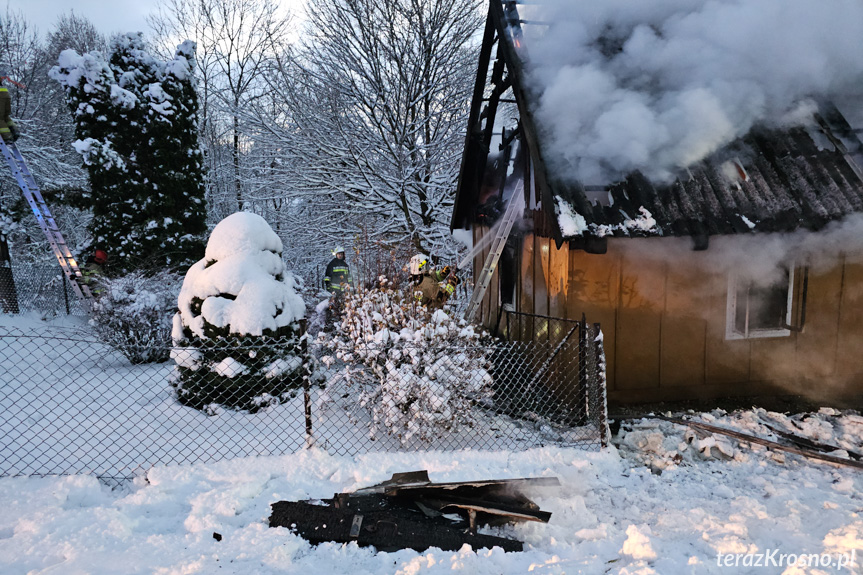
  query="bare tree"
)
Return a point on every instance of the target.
[
  {"x": 236, "y": 39},
  {"x": 47, "y": 130},
  {"x": 378, "y": 103}
]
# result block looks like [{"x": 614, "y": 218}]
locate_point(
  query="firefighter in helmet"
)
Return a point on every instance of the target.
[
  {"x": 431, "y": 287},
  {"x": 8, "y": 129},
  {"x": 336, "y": 280},
  {"x": 338, "y": 274}
]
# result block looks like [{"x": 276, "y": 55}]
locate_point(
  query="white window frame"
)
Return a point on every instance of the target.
[{"x": 731, "y": 311}]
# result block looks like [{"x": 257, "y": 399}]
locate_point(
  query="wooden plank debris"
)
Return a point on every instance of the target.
[{"x": 805, "y": 452}]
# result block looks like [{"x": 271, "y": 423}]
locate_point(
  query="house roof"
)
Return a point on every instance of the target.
[
  {"x": 768, "y": 181},
  {"x": 771, "y": 180}
]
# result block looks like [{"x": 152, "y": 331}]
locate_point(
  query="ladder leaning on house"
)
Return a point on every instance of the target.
[
  {"x": 46, "y": 221},
  {"x": 504, "y": 227}
]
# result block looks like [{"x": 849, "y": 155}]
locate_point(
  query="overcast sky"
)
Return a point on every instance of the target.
[{"x": 108, "y": 16}]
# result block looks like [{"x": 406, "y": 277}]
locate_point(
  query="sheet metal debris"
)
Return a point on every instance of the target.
[{"x": 409, "y": 511}]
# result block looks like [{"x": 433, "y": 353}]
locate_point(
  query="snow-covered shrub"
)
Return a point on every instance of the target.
[
  {"x": 133, "y": 314},
  {"x": 237, "y": 336},
  {"x": 422, "y": 370}
]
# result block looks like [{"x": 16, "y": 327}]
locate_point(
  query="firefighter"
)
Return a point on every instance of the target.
[
  {"x": 336, "y": 279},
  {"x": 8, "y": 129},
  {"x": 93, "y": 269},
  {"x": 432, "y": 288},
  {"x": 338, "y": 274}
]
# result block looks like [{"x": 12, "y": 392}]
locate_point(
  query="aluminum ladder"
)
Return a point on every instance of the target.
[
  {"x": 46, "y": 222},
  {"x": 513, "y": 212}
]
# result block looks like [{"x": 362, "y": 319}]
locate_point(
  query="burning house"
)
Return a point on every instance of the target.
[{"x": 706, "y": 209}]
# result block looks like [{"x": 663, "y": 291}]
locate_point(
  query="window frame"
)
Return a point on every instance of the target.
[{"x": 731, "y": 311}]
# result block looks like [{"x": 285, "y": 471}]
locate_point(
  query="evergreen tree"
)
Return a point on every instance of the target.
[
  {"x": 237, "y": 333},
  {"x": 136, "y": 123},
  {"x": 177, "y": 157}
]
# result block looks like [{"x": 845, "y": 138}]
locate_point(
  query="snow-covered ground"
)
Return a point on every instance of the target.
[
  {"x": 612, "y": 514},
  {"x": 663, "y": 500}
]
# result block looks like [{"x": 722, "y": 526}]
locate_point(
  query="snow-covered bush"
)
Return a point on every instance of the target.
[
  {"x": 237, "y": 336},
  {"x": 133, "y": 314},
  {"x": 420, "y": 372}
]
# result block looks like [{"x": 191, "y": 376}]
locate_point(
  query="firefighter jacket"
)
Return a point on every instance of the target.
[
  {"x": 337, "y": 276},
  {"x": 7, "y": 126},
  {"x": 91, "y": 275},
  {"x": 431, "y": 291}
]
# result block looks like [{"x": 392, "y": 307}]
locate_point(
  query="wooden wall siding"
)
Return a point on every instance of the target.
[
  {"x": 683, "y": 342},
  {"x": 542, "y": 254},
  {"x": 558, "y": 279},
  {"x": 849, "y": 349},
  {"x": 639, "y": 326},
  {"x": 525, "y": 290},
  {"x": 815, "y": 350},
  {"x": 665, "y": 326},
  {"x": 594, "y": 284},
  {"x": 727, "y": 360}
]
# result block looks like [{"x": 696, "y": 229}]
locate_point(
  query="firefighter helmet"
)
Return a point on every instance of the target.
[
  {"x": 339, "y": 250},
  {"x": 419, "y": 264},
  {"x": 100, "y": 257}
]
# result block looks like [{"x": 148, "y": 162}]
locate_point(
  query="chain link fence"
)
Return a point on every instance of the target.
[
  {"x": 38, "y": 288},
  {"x": 69, "y": 403}
]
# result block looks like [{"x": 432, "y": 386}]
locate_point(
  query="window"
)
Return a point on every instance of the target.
[{"x": 773, "y": 310}]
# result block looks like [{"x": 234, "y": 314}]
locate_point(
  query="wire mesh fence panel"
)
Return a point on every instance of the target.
[
  {"x": 42, "y": 289},
  {"x": 69, "y": 403},
  {"x": 496, "y": 396}
]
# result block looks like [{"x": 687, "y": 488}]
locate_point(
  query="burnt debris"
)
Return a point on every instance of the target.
[{"x": 408, "y": 511}]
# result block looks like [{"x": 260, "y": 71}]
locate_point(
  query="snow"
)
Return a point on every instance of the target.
[
  {"x": 571, "y": 223},
  {"x": 610, "y": 515},
  {"x": 240, "y": 233},
  {"x": 242, "y": 261},
  {"x": 123, "y": 98},
  {"x": 181, "y": 66},
  {"x": 643, "y": 222},
  {"x": 229, "y": 367},
  {"x": 73, "y": 67},
  {"x": 663, "y": 499}
]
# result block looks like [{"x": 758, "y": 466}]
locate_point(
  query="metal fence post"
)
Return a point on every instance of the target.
[
  {"x": 307, "y": 399},
  {"x": 66, "y": 298},
  {"x": 601, "y": 403}
]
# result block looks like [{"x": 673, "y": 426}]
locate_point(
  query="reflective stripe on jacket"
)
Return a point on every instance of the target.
[{"x": 338, "y": 275}]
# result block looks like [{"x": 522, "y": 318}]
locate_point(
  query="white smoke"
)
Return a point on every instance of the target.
[
  {"x": 659, "y": 85},
  {"x": 758, "y": 258}
]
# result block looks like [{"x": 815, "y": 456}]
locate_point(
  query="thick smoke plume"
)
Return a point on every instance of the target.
[{"x": 657, "y": 86}]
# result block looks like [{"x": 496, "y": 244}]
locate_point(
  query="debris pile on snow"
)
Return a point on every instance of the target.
[{"x": 661, "y": 445}]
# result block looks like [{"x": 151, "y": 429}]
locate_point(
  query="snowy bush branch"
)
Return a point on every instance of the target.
[{"x": 418, "y": 374}]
